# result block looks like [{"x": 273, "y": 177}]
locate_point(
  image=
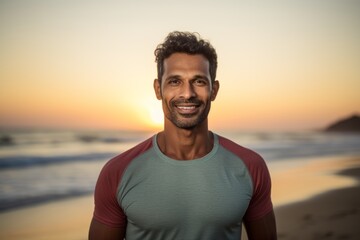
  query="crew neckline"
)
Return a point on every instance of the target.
[{"x": 186, "y": 162}]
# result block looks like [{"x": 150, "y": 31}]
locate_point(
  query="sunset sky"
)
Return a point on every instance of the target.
[{"x": 283, "y": 65}]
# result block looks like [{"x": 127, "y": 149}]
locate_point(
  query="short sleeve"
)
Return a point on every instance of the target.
[
  {"x": 107, "y": 209},
  {"x": 260, "y": 203}
]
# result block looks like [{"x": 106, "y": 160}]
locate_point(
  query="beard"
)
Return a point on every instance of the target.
[{"x": 187, "y": 121}]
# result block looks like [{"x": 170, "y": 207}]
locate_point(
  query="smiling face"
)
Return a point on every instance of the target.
[{"x": 186, "y": 90}]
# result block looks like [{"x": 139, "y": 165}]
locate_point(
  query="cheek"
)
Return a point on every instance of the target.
[
  {"x": 167, "y": 95},
  {"x": 166, "y": 101},
  {"x": 205, "y": 94}
]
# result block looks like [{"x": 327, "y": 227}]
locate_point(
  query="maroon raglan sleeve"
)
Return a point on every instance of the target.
[
  {"x": 107, "y": 208},
  {"x": 260, "y": 204}
]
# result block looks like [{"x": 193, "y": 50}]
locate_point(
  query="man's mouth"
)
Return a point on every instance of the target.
[{"x": 187, "y": 107}]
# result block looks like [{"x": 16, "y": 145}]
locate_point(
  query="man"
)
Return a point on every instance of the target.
[{"x": 185, "y": 182}]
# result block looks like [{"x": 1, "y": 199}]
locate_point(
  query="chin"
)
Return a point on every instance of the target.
[{"x": 188, "y": 124}]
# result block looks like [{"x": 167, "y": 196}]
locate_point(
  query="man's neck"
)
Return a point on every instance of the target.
[{"x": 185, "y": 144}]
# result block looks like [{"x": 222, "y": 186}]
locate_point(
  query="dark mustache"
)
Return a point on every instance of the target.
[{"x": 187, "y": 101}]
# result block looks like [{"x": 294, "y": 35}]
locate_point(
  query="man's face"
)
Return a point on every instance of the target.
[{"x": 186, "y": 90}]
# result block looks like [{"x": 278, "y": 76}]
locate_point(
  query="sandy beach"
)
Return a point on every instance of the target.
[
  {"x": 331, "y": 215},
  {"x": 316, "y": 199},
  {"x": 65, "y": 219}
]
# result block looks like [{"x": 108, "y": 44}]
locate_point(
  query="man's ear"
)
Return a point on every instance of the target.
[
  {"x": 215, "y": 89},
  {"x": 157, "y": 89}
]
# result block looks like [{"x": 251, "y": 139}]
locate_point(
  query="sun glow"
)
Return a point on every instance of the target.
[
  {"x": 98, "y": 73},
  {"x": 156, "y": 116}
]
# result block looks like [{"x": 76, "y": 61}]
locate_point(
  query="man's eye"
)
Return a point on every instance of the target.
[
  {"x": 174, "y": 82},
  {"x": 200, "y": 82}
]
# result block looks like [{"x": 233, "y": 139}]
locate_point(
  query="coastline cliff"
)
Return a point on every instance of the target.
[{"x": 349, "y": 124}]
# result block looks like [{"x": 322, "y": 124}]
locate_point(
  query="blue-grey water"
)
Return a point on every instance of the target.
[{"x": 38, "y": 166}]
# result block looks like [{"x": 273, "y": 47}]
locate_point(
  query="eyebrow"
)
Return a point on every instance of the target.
[
  {"x": 173, "y": 76},
  {"x": 193, "y": 78},
  {"x": 201, "y": 76}
]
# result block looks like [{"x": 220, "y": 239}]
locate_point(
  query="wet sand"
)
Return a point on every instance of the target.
[
  {"x": 64, "y": 219},
  {"x": 331, "y": 215}
]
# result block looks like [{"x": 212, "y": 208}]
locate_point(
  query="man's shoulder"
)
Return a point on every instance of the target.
[
  {"x": 237, "y": 149},
  {"x": 247, "y": 155},
  {"x": 122, "y": 160}
]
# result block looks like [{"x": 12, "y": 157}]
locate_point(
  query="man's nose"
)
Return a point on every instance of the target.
[{"x": 188, "y": 91}]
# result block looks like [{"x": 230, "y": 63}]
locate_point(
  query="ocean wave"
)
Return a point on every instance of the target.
[
  {"x": 31, "y": 161},
  {"x": 13, "y": 203},
  {"x": 24, "y": 138}
]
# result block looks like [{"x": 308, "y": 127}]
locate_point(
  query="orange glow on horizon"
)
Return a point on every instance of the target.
[{"x": 278, "y": 70}]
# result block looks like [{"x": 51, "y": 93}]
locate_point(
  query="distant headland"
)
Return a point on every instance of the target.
[{"x": 350, "y": 124}]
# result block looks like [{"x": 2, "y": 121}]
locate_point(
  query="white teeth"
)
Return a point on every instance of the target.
[{"x": 186, "y": 108}]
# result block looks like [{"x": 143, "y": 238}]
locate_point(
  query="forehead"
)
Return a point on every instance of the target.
[{"x": 178, "y": 62}]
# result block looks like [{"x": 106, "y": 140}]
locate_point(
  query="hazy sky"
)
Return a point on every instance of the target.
[{"x": 283, "y": 65}]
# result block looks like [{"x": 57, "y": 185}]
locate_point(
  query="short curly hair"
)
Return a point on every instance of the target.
[{"x": 185, "y": 42}]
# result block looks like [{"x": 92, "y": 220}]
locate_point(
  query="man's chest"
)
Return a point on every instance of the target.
[{"x": 186, "y": 197}]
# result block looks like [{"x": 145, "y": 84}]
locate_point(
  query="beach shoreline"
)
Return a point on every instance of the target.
[
  {"x": 304, "y": 179},
  {"x": 334, "y": 214},
  {"x": 331, "y": 215},
  {"x": 63, "y": 219},
  {"x": 312, "y": 216}
]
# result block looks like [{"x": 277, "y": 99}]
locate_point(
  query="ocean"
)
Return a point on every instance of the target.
[{"x": 38, "y": 166}]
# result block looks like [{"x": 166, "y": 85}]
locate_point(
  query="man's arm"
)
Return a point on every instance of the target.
[
  {"x": 99, "y": 231},
  {"x": 263, "y": 228}
]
